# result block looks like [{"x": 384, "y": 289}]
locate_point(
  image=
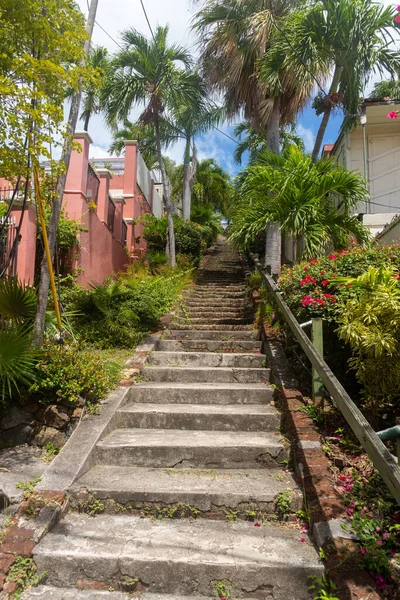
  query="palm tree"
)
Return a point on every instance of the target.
[
  {"x": 212, "y": 186},
  {"x": 146, "y": 139},
  {"x": 147, "y": 73},
  {"x": 313, "y": 202},
  {"x": 253, "y": 142},
  {"x": 238, "y": 37},
  {"x": 386, "y": 89},
  {"x": 99, "y": 60},
  {"x": 352, "y": 38}
]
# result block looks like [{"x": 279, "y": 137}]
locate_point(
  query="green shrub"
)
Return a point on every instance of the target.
[
  {"x": 190, "y": 238},
  {"x": 66, "y": 372},
  {"x": 370, "y": 324},
  {"x": 155, "y": 233}
]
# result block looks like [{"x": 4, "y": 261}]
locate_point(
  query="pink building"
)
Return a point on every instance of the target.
[{"x": 108, "y": 205}]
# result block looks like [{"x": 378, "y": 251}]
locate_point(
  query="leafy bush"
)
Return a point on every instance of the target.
[
  {"x": 190, "y": 238},
  {"x": 66, "y": 372},
  {"x": 370, "y": 324},
  {"x": 117, "y": 313},
  {"x": 366, "y": 321}
]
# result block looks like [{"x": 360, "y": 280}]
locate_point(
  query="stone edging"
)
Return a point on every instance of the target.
[{"x": 321, "y": 497}]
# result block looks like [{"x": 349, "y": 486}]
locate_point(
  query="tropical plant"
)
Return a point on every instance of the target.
[
  {"x": 17, "y": 356},
  {"x": 205, "y": 215},
  {"x": 351, "y": 38},
  {"x": 212, "y": 186},
  {"x": 386, "y": 89},
  {"x": 370, "y": 324},
  {"x": 147, "y": 73},
  {"x": 253, "y": 141},
  {"x": 240, "y": 59},
  {"x": 314, "y": 202},
  {"x": 99, "y": 61}
]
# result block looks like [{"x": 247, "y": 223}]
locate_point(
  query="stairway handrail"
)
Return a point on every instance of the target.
[{"x": 383, "y": 460}]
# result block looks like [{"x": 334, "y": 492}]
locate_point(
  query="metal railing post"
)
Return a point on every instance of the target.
[{"x": 318, "y": 341}]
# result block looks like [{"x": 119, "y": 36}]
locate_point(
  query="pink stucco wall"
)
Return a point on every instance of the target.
[{"x": 27, "y": 244}]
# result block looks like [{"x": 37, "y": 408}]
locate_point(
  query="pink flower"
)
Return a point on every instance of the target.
[
  {"x": 397, "y": 20},
  {"x": 257, "y": 525},
  {"x": 302, "y": 539},
  {"x": 385, "y": 535},
  {"x": 377, "y": 528},
  {"x": 313, "y": 261},
  {"x": 324, "y": 282},
  {"x": 332, "y": 257},
  {"x": 363, "y": 551},
  {"x": 349, "y": 511},
  {"x": 398, "y": 8},
  {"x": 393, "y": 114}
]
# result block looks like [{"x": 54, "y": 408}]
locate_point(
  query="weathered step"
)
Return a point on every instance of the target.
[
  {"x": 206, "y": 374},
  {"x": 46, "y": 592},
  {"x": 210, "y": 417},
  {"x": 203, "y": 393},
  {"x": 219, "y": 302},
  {"x": 210, "y": 327},
  {"x": 214, "y": 334},
  {"x": 214, "y": 312},
  {"x": 209, "y": 345},
  {"x": 212, "y": 492},
  {"x": 204, "y": 449},
  {"x": 211, "y": 321},
  {"x": 207, "y": 359},
  {"x": 179, "y": 556},
  {"x": 221, "y": 288}
]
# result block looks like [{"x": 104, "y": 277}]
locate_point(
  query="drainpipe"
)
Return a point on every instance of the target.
[{"x": 363, "y": 121}]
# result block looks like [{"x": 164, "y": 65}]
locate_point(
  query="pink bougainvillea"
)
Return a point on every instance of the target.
[{"x": 393, "y": 114}]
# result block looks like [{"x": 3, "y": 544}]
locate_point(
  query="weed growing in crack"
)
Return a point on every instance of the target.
[
  {"x": 231, "y": 515},
  {"x": 28, "y": 486},
  {"x": 323, "y": 587},
  {"x": 222, "y": 589},
  {"x": 173, "y": 511},
  {"x": 92, "y": 506},
  {"x": 24, "y": 573},
  {"x": 283, "y": 503}
]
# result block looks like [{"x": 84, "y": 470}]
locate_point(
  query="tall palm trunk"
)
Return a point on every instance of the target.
[
  {"x": 325, "y": 119},
  {"x": 86, "y": 124},
  {"x": 273, "y": 238},
  {"x": 167, "y": 196},
  {"x": 187, "y": 193}
]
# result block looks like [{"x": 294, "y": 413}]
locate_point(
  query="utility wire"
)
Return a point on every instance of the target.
[
  {"x": 106, "y": 32},
  {"x": 147, "y": 19}
]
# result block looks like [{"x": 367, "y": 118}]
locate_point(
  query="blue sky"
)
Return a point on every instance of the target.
[{"x": 116, "y": 15}]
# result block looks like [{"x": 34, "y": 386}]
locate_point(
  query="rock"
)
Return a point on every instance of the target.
[
  {"x": 394, "y": 568},
  {"x": 77, "y": 413},
  {"x": 14, "y": 417},
  {"x": 54, "y": 416},
  {"x": 16, "y": 435},
  {"x": 4, "y": 500},
  {"x": 31, "y": 408},
  {"x": 49, "y": 435}
]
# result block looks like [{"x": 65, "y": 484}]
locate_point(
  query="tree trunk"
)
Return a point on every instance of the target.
[
  {"x": 273, "y": 126},
  {"x": 167, "y": 196},
  {"x": 273, "y": 238},
  {"x": 57, "y": 202},
  {"x": 186, "y": 200},
  {"x": 325, "y": 119},
  {"x": 86, "y": 124}
]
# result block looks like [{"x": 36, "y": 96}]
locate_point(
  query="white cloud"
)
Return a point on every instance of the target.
[
  {"x": 98, "y": 152},
  {"x": 307, "y": 136}
]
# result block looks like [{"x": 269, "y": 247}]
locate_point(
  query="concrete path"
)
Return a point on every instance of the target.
[{"x": 189, "y": 476}]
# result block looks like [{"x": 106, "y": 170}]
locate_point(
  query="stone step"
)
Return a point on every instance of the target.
[
  {"x": 194, "y": 321},
  {"x": 195, "y": 393},
  {"x": 204, "y": 449},
  {"x": 47, "y": 592},
  {"x": 179, "y": 556},
  {"x": 214, "y": 334},
  {"x": 210, "y": 417},
  {"x": 215, "y": 311},
  {"x": 209, "y": 345},
  {"x": 222, "y": 302},
  {"x": 213, "y": 327},
  {"x": 212, "y": 492},
  {"x": 206, "y": 374},
  {"x": 206, "y": 359},
  {"x": 221, "y": 288}
]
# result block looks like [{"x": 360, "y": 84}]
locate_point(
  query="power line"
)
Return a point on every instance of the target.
[
  {"x": 106, "y": 32},
  {"x": 226, "y": 135},
  {"x": 147, "y": 19}
]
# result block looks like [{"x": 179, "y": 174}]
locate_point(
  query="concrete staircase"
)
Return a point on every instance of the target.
[{"x": 190, "y": 479}]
